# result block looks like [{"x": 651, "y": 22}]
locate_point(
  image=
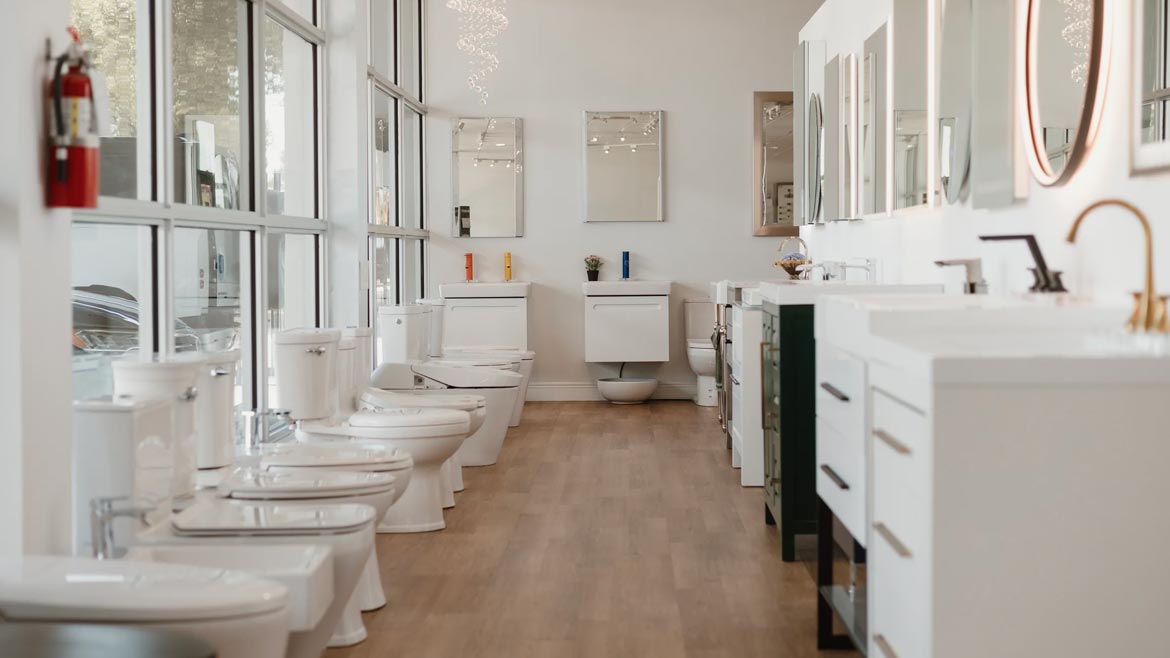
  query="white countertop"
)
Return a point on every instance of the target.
[{"x": 794, "y": 293}]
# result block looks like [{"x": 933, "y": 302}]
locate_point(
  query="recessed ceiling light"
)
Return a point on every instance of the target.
[{"x": 501, "y": 145}]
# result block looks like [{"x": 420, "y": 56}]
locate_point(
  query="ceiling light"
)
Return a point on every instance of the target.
[
  {"x": 594, "y": 140},
  {"x": 480, "y": 23},
  {"x": 501, "y": 145},
  {"x": 623, "y": 139}
]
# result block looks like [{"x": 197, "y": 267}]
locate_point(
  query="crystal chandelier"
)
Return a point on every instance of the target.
[
  {"x": 1077, "y": 32},
  {"x": 480, "y": 23}
]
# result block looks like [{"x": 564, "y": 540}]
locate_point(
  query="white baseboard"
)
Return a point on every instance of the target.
[{"x": 585, "y": 391}]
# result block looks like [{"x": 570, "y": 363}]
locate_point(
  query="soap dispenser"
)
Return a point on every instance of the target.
[{"x": 468, "y": 267}]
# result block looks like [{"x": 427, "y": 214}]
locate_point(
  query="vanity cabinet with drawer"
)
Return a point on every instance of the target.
[{"x": 747, "y": 433}]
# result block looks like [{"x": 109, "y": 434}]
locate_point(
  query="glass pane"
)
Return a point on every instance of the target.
[
  {"x": 212, "y": 284},
  {"x": 290, "y": 117},
  {"x": 385, "y": 133},
  {"x": 113, "y": 29},
  {"x": 303, "y": 7},
  {"x": 382, "y": 38},
  {"x": 384, "y": 256},
  {"x": 412, "y": 207},
  {"x": 211, "y": 103},
  {"x": 412, "y": 270},
  {"x": 410, "y": 62},
  {"x": 112, "y": 300},
  {"x": 292, "y": 292}
]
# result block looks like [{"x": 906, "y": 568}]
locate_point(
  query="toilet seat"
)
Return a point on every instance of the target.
[
  {"x": 398, "y": 423},
  {"x": 204, "y": 519},
  {"x": 46, "y": 588},
  {"x": 255, "y": 484},
  {"x": 434, "y": 399},
  {"x": 699, "y": 344},
  {"x": 462, "y": 376}
]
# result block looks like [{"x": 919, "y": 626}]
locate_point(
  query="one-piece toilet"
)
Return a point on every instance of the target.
[{"x": 701, "y": 351}]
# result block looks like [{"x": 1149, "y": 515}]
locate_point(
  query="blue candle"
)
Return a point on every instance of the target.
[{"x": 625, "y": 264}]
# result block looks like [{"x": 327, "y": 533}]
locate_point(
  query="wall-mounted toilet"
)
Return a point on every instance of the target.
[{"x": 700, "y": 322}]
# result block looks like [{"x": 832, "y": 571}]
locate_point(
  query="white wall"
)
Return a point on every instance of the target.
[
  {"x": 36, "y": 429},
  {"x": 697, "y": 60},
  {"x": 1106, "y": 264}
]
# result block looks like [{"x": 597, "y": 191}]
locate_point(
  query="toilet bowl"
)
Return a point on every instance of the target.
[
  {"x": 701, "y": 358},
  {"x": 241, "y": 616}
]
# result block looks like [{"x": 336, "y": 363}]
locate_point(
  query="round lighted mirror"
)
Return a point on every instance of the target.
[
  {"x": 815, "y": 171},
  {"x": 1064, "y": 83},
  {"x": 954, "y": 100}
]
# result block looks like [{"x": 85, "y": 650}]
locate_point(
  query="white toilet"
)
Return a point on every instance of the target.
[
  {"x": 404, "y": 333},
  {"x": 700, "y": 318},
  {"x": 307, "y": 377},
  {"x": 241, "y": 616},
  {"x": 138, "y": 467}
]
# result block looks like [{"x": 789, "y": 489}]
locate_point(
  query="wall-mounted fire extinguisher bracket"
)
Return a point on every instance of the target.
[{"x": 72, "y": 179}]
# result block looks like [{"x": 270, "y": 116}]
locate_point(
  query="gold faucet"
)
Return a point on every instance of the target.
[{"x": 1150, "y": 309}]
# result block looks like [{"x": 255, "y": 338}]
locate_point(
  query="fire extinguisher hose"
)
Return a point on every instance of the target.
[{"x": 59, "y": 116}]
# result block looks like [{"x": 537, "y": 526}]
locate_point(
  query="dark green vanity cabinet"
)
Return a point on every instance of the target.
[{"x": 790, "y": 441}]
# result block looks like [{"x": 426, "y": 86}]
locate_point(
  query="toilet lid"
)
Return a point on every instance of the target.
[
  {"x": 255, "y": 484},
  {"x": 435, "y": 399},
  {"x": 700, "y": 344},
  {"x": 508, "y": 352},
  {"x": 461, "y": 376},
  {"x": 219, "y": 518},
  {"x": 48, "y": 588},
  {"x": 329, "y": 455},
  {"x": 408, "y": 417}
]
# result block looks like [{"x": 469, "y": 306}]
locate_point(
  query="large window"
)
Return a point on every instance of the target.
[
  {"x": 210, "y": 88},
  {"x": 410, "y": 46},
  {"x": 290, "y": 120},
  {"x": 293, "y": 273},
  {"x": 385, "y": 130},
  {"x": 412, "y": 167}
]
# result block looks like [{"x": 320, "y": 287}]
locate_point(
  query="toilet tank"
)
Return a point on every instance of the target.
[
  {"x": 363, "y": 357},
  {"x": 306, "y": 373},
  {"x": 121, "y": 449},
  {"x": 627, "y": 321},
  {"x": 215, "y": 408},
  {"x": 403, "y": 333},
  {"x": 346, "y": 356}
]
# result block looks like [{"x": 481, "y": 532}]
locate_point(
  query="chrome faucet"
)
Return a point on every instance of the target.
[
  {"x": 1046, "y": 280},
  {"x": 256, "y": 424},
  {"x": 975, "y": 284},
  {"x": 868, "y": 265},
  {"x": 102, "y": 514}
]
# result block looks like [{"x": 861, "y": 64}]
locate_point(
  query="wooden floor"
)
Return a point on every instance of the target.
[{"x": 603, "y": 531}]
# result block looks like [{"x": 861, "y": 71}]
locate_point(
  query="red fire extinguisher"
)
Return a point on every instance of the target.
[{"x": 73, "y": 131}]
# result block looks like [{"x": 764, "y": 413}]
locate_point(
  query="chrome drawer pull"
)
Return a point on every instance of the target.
[
  {"x": 884, "y": 645},
  {"x": 828, "y": 470},
  {"x": 892, "y": 540},
  {"x": 898, "y": 446},
  {"x": 834, "y": 391}
]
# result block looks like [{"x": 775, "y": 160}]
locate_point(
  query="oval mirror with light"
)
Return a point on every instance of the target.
[
  {"x": 954, "y": 100},
  {"x": 1064, "y": 83},
  {"x": 815, "y": 172}
]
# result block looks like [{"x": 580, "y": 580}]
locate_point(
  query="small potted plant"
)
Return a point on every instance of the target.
[{"x": 593, "y": 267}]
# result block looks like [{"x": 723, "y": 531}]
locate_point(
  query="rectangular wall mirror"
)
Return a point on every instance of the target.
[
  {"x": 488, "y": 157},
  {"x": 809, "y": 76},
  {"x": 773, "y": 187},
  {"x": 911, "y": 162},
  {"x": 874, "y": 136},
  {"x": 831, "y": 144},
  {"x": 1151, "y": 93},
  {"x": 623, "y": 166},
  {"x": 846, "y": 159}
]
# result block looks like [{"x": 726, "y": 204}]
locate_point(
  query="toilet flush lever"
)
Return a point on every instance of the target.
[
  {"x": 219, "y": 372},
  {"x": 315, "y": 350},
  {"x": 188, "y": 395}
]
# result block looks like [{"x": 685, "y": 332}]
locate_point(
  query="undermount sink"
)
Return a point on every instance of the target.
[
  {"x": 306, "y": 570},
  {"x": 627, "y": 288},
  {"x": 477, "y": 290}
]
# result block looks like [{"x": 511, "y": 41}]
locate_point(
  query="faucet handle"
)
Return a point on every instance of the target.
[{"x": 975, "y": 284}]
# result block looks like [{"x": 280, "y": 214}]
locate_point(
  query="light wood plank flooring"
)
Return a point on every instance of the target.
[{"x": 603, "y": 531}]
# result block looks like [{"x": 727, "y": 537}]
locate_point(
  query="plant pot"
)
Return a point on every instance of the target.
[{"x": 592, "y": 274}]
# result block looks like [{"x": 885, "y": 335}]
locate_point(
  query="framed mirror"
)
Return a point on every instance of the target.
[
  {"x": 815, "y": 159},
  {"x": 808, "y": 73},
  {"x": 911, "y": 149},
  {"x": 773, "y": 185},
  {"x": 1064, "y": 84},
  {"x": 831, "y": 143},
  {"x": 848, "y": 139},
  {"x": 488, "y": 178},
  {"x": 874, "y": 117},
  {"x": 954, "y": 100},
  {"x": 1151, "y": 86},
  {"x": 623, "y": 166}
]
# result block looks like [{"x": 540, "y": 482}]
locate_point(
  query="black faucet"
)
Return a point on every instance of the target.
[{"x": 1046, "y": 280}]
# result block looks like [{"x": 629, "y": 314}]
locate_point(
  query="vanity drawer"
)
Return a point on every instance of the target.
[
  {"x": 899, "y": 602},
  {"x": 841, "y": 390},
  {"x": 841, "y": 477},
  {"x": 902, "y": 436}
]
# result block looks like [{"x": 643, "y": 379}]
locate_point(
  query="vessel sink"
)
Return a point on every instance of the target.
[
  {"x": 477, "y": 290},
  {"x": 846, "y": 319},
  {"x": 305, "y": 569},
  {"x": 627, "y": 288}
]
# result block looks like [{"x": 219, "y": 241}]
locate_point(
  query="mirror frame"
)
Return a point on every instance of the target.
[
  {"x": 1144, "y": 158},
  {"x": 876, "y": 50},
  {"x": 847, "y": 143},
  {"x": 1095, "y": 85},
  {"x": 517, "y": 168},
  {"x": 661, "y": 114},
  {"x": 759, "y": 100}
]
